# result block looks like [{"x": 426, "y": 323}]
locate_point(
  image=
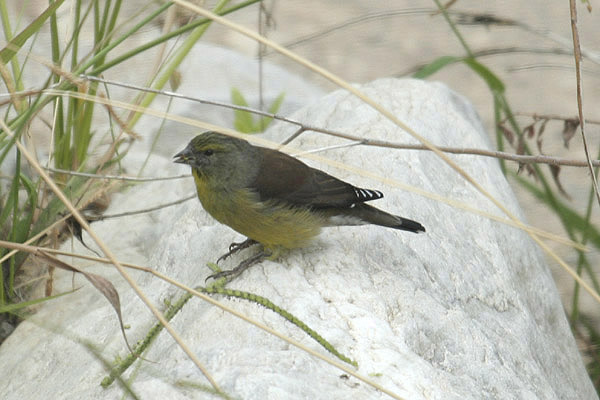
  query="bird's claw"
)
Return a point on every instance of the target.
[
  {"x": 235, "y": 247},
  {"x": 222, "y": 274},
  {"x": 244, "y": 265}
]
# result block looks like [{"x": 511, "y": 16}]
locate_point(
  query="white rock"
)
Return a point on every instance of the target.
[{"x": 467, "y": 310}]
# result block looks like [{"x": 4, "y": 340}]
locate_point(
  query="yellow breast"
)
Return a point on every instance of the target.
[{"x": 270, "y": 223}]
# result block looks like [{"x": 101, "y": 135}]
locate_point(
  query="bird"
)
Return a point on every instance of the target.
[{"x": 274, "y": 199}]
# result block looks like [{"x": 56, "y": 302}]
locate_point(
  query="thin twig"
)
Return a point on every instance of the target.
[
  {"x": 353, "y": 21},
  {"x": 522, "y": 159},
  {"x": 191, "y": 98},
  {"x": 549, "y": 66},
  {"x": 321, "y": 149},
  {"x": 145, "y": 210},
  {"x": 115, "y": 177},
  {"x": 577, "y": 50},
  {"x": 489, "y": 52},
  {"x": 554, "y": 117},
  {"x": 466, "y": 18}
]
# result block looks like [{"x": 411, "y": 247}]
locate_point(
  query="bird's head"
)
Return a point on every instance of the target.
[{"x": 220, "y": 160}]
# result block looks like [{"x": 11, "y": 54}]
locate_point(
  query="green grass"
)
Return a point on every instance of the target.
[{"x": 26, "y": 206}]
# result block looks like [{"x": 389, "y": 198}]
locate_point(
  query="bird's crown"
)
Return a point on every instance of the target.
[{"x": 214, "y": 141}]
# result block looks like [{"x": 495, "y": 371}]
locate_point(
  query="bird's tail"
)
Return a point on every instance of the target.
[
  {"x": 408, "y": 225},
  {"x": 365, "y": 214},
  {"x": 375, "y": 216}
]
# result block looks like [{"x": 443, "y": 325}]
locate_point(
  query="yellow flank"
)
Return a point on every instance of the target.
[{"x": 270, "y": 223}]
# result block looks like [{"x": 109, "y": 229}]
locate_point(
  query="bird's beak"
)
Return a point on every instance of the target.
[{"x": 184, "y": 157}]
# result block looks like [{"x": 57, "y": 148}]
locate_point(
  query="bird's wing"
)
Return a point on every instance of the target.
[{"x": 282, "y": 177}]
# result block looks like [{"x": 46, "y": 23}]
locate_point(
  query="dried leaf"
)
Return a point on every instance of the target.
[
  {"x": 76, "y": 230},
  {"x": 49, "y": 282},
  {"x": 507, "y": 133},
  {"x": 569, "y": 130},
  {"x": 97, "y": 205},
  {"x": 521, "y": 151},
  {"x": 102, "y": 284},
  {"x": 555, "y": 169},
  {"x": 521, "y": 145},
  {"x": 531, "y": 171},
  {"x": 529, "y": 130},
  {"x": 540, "y": 131}
]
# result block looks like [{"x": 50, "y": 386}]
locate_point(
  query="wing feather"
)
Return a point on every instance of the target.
[{"x": 284, "y": 178}]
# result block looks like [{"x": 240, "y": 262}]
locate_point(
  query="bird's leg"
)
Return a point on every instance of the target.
[
  {"x": 235, "y": 247},
  {"x": 244, "y": 265}
]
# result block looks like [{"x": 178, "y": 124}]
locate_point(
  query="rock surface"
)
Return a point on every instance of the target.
[{"x": 466, "y": 311}]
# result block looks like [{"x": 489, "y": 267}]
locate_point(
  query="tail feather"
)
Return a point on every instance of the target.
[
  {"x": 365, "y": 214},
  {"x": 408, "y": 225},
  {"x": 382, "y": 218}
]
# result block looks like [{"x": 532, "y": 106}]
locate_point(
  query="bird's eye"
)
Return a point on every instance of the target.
[{"x": 208, "y": 152}]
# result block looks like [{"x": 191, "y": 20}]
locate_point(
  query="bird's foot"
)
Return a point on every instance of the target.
[
  {"x": 244, "y": 265},
  {"x": 235, "y": 247}
]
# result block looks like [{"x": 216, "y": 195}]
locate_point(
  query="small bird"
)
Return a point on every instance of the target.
[{"x": 275, "y": 199}]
